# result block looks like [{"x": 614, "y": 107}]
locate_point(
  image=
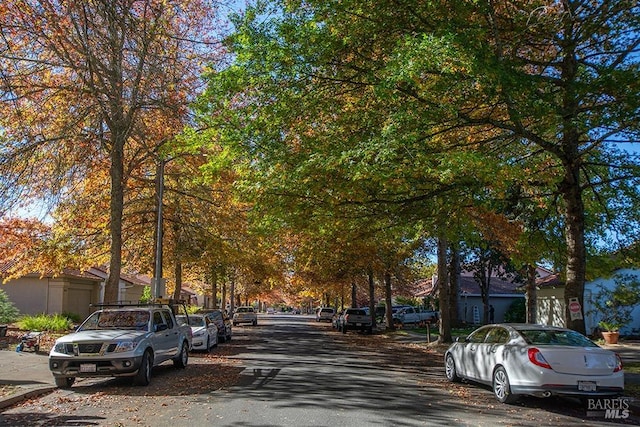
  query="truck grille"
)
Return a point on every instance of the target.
[{"x": 89, "y": 348}]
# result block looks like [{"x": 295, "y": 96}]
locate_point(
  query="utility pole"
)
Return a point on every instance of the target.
[{"x": 158, "y": 290}]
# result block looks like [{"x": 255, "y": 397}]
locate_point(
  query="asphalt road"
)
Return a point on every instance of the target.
[{"x": 293, "y": 371}]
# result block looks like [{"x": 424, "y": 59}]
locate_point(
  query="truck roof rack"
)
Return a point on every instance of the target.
[{"x": 163, "y": 302}]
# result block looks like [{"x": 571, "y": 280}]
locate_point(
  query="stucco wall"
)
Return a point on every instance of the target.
[{"x": 551, "y": 307}]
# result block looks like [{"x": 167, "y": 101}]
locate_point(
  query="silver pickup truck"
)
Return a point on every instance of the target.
[
  {"x": 355, "y": 319},
  {"x": 415, "y": 315},
  {"x": 120, "y": 341}
]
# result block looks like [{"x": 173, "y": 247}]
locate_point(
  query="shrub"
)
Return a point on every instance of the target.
[
  {"x": 74, "y": 317},
  {"x": 613, "y": 307},
  {"x": 8, "y": 312},
  {"x": 45, "y": 322},
  {"x": 146, "y": 295},
  {"x": 517, "y": 312}
]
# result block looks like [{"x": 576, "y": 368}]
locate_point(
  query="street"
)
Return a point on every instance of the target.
[{"x": 292, "y": 371}]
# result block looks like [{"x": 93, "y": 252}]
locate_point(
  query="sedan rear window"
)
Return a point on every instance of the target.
[{"x": 556, "y": 337}]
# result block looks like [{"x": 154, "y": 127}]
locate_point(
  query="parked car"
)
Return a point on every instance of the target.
[
  {"x": 222, "y": 321},
  {"x": 336, "y": 320},
  {"x": 121, "y": 341},
  {"x": 204, "y": 331},
  {"x": 414, "y": 315},
  {"x": 325, "y": 314},
  {"x": 537, "y": 360},
  {"x": 355, "y": 319},
  {"x": 245, "y": 315}
]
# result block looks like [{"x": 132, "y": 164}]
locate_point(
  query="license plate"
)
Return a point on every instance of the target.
[
  {"x": 358, "y": 324},
  {"x": 88, "y": 367},
  {"x": 586, "y": 386}
]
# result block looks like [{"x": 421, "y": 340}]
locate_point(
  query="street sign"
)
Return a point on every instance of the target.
[{"x": 574, "y": 309}]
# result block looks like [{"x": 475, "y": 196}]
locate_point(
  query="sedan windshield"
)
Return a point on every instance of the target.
[{"x": 556, "y": 337}]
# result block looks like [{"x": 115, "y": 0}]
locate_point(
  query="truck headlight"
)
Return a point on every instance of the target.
[
  {"x": 124, "y": 346},
  {"x": 60, "y": 348}
]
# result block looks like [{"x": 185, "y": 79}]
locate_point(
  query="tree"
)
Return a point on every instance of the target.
[
  {"x": 397, "y": 109},
  {"x": 485, "y": 262},
  {"x": 95, "y": 84},
  {"x": 8, "y": 312}
]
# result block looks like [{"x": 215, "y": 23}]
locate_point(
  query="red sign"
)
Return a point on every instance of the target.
[{"x": 574, "y": 307}]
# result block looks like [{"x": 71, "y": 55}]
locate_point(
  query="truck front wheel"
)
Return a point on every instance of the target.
[
  {"x": 143, "y": 377},
  {"x": 65, "y": 382}
]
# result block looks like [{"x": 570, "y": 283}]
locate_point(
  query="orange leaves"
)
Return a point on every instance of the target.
[
  {"x": 496, "y": 227},
  {"x": 20, "y": 244}
]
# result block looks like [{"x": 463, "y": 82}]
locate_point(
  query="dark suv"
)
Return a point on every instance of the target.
[{"x": 222, "y": 321}]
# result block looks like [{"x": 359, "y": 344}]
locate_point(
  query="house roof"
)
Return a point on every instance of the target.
[
  {"x": 133, "y": 279},
  {"x": 5, "y": 268},
  {"x": 551, "y": 281},
  {"x": 469, "y": 286}
]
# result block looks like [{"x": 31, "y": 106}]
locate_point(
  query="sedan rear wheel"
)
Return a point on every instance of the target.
[
  {"x": 450, "y": 369},
  {"x": 502, "y": 387}
]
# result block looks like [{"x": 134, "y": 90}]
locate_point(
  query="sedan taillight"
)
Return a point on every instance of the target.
[
  {"x": 536, "y": 357},
  {"x": 618, "y": 367}
]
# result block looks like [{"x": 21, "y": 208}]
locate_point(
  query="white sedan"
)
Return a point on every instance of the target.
[
  {"x": 204, "y": 330},
  {"x": 537, "y": 360}
]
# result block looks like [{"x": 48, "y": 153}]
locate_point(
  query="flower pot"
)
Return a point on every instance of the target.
[{"x": 611, "y": 337}]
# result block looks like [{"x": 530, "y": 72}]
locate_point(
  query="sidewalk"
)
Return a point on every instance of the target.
[{"x": 27, "y": 374}]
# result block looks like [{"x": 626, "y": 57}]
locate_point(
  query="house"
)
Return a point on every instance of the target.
[
  {"x": 550, "y": 301},
  {"x": 130, "y": 287},
  {"x": 502, "y": 293},
  {"x": 551, "y": 305},
  {"x": 72, "y": 291}
]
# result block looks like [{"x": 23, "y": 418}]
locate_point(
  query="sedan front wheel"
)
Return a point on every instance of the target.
[{"x": 450, "y": 369}]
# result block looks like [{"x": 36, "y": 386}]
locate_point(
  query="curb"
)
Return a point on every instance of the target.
[{"x": 24, "y": 395}]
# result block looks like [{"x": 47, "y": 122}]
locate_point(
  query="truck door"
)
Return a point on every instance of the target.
[{"x": 162, "y": 337}]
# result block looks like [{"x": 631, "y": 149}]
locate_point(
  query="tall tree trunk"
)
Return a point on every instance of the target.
[
  {"x": 576, "y": 254},
  {"x": 223, "y": 297},
  {"x": 571, "y": 185},
  {"x": 214, "y": 288},
  {"x": 232, "y": 291},
  {"x": 454, "y": 283},
  {"x": 443, "y": 292},
  {"x": 354, "y": 295},
  {"x": 372, "y": 298},
  {"x": 116, "y": 172},
  {"x": 531, "y": 294},
  {"x": 178, "y": 289},
  {"x": 388, "y": 303}
]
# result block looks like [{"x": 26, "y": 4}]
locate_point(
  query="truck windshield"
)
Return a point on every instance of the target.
[{"x": 121, "y": 319}]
